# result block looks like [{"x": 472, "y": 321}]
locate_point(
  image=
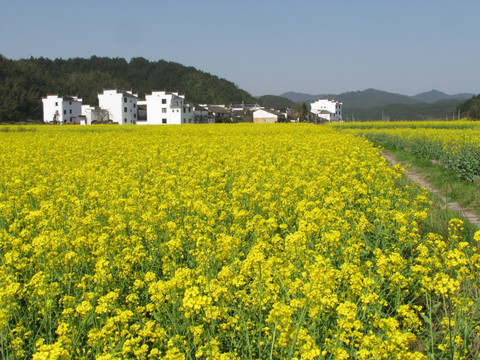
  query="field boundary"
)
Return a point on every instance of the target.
[{"x": 417, "y": 178}]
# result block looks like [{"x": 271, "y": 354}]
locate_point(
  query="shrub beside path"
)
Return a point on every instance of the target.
[{"x": 415, "y": 177}]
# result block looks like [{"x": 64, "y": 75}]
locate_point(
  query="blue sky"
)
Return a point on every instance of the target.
[{"x": 266, "y": 46}]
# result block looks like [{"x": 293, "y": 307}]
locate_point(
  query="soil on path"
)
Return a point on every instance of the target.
[{"x": 454, "y": 206}]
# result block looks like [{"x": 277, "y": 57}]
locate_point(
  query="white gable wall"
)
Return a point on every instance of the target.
[
  {"x": 164, "y": 108},
  {"x": 122, "y": 106},
  {"x": 263, "y": 116},
  {"x": 333, "y": 107},
  {"x": 64, "y": 110}
]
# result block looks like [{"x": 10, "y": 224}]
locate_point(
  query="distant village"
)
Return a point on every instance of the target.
[{"x": 164, "y": 108}]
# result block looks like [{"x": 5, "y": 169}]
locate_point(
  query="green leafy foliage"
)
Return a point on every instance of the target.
[
  {"x": 276, "y": 102},
  {"x": 24, "y": 82},
  {"x": 471, "y": 107}
]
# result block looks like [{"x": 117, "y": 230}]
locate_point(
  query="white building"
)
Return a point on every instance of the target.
[
  {"x": 243, "y": 107},
  {"x": 63, "y": 110},
  {"x": 201, "y": 115},
  {"x": 263, "y": 116},
  {"x": 330, "y": 110},
  {"x": 91, "y": 114},
  {"x": 167, "y": 108},
  {"x": 121, "y": 106}
]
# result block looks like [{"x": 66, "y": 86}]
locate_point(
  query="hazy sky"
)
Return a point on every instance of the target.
[{"x": 266, "y": 46}]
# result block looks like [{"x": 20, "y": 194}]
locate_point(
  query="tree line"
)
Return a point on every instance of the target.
[
  {"x": 24, "y": 82},
  {"x": 440, "y": 110},
  {"x": 471, "y": 108}
]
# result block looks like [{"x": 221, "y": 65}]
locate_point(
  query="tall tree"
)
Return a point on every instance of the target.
[{"x": 304, "y": 115}]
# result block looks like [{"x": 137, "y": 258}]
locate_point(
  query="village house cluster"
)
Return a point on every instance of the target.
[{"x": 164, "y": 108}]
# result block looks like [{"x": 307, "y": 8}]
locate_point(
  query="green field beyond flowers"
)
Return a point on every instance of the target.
[{"x": 290, "y": 241}]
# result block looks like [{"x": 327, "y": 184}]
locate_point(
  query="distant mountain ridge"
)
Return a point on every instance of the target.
[
  {"x": 372, "y": 98},
  {"x": 435, "y": 95}
]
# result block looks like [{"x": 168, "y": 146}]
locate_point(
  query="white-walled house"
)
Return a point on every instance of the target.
[
  {"x": 188, "y": 113},
  {"x": 288, "y": 113},
  {"x": 167, "y": 108},
  {"x": 263, "y": 116},
  {"x": 330, "y": 110},
  {"x": 218, "y": 113},
  {"x": 201, "y": 115},
  {"x": 91, "y": 114},
  {"x": 62, "y": 109},
  {"x": 121, "y": 106},
  {"x": 243, "y": 106}
]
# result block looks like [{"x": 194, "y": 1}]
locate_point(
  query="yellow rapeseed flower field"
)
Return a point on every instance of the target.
[
  {"x": 276, "y": 241},
  {"x": 454, "y": 144}
]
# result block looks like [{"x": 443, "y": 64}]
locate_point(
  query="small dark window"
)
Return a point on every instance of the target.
[
  {"x": 164, "y": 121},
  {"x": 164, "y": 101},
  {"x": 124, "y": 109},
  {"x": 124, "y": 100},
  {"x": 64, "y": 112},
  {"x": 70, "y": 111},
  {"x": 56, "y": 103}
]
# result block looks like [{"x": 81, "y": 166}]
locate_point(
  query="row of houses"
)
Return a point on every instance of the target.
[
  {"x": 122, "y": 107},
  {"x": 163, "y": 108}
]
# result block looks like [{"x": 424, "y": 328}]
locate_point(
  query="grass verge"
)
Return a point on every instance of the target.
[{"x": 457, "y": 190}]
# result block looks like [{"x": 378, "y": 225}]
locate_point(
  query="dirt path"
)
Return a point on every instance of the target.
[{"x": 454, "y": 206}]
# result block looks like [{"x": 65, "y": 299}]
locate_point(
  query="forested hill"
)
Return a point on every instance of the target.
[
  {"x": 471, "y": 107},
  {"x": 24, "y": 82}
]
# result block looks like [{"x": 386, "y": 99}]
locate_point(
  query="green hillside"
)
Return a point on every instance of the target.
[
  {"x": 369, "y": 98},
  {"x": 471, "y": 108},
  {"x": 356, "y": 99},
  {"x": 397, "y": 112},
  {"x": 24, "y": 82},
  {"x": 435, "y": 95},
  {"x": 276, "y": 102}
]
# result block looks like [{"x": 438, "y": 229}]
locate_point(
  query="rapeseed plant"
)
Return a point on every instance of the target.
[{"x": 225, "y": 242}]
